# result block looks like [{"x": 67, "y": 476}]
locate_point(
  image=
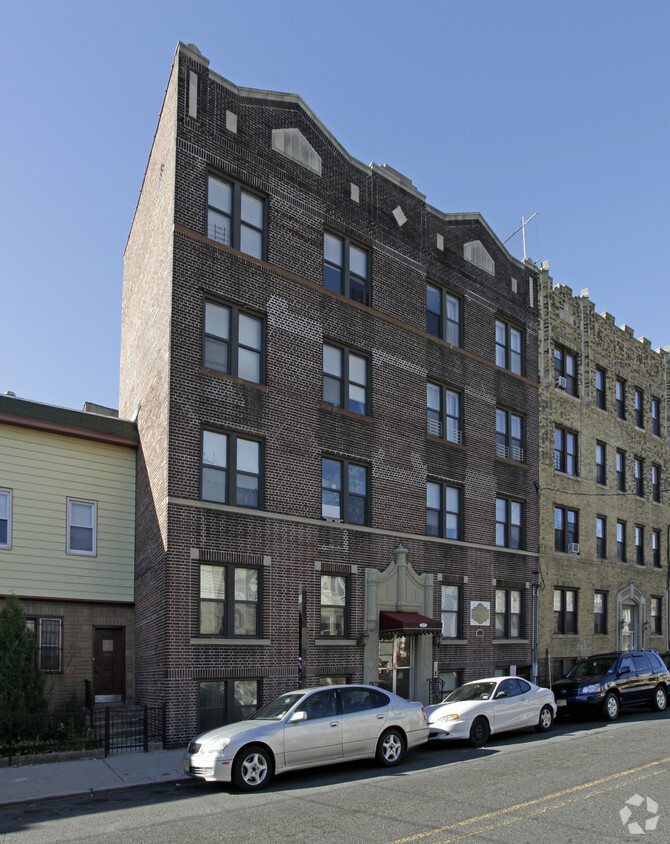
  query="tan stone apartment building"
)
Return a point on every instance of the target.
[{"x": 604, "y": 501}]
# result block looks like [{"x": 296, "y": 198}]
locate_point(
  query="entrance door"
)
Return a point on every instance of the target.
[
  {"x": 109, "y": 664},
  {"x": 395, "y": 664},
  {"x": 629, "y": 625}
]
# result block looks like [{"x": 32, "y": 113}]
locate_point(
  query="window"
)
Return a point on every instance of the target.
[
  {"x": 601, "y": 389},
  {"x": 233, "y": 342},
  {"x": 621, "y": 471},
  {"x": 656, "y": 548},
  {"x": 638, "y": 398},
  {"x": 225, "y": 701},
  {"x": 565, "y": 370},
  {"x": 443, "y": 315},
  {"x": 509, "y": 435},
  {"x": 508, "y": 614},
  {"x": 600, "y": 612},
  {"x": 345, "y": 268},
  {"x": 565, "y": 611},
  {"x": 231, "y": 469},
  {"x": 509, "y": 523},
  {"x": 656, "y": 483},
  {"x": 509, "y": 347},
  {"x": 639, "y": 545},
  {"x": 443, "y": 511},
  {"x": 5, "y": 518},
  {"x": 566, "y": 529},
  {"x": 655, "y": 418},
  {"x": 235, "y": 217},
  {"x": 639, "y": 476},
  {"x": 601, "y": 464},
  {"x": 49, "y": 641},
  {"x": 451, "y": 612},
  {"x": 229, "y": 601},
  {"x": 333, "y": 605},
  {"x": 601, "y": 537},
  {"x": 656, "y": 616},
  {"x": 82, "y": 517},
  {"x": 565, "y": 451},
  {"x": 444, "y": 413},
  {"x": 620, "y": 394},
  {"x": 345, "y": 380},
  {"x": 344, "y": 491},
  {"x": 621, "y": 541}
]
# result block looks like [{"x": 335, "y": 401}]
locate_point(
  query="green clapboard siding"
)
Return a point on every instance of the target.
[{"x": 43, "y": 470}]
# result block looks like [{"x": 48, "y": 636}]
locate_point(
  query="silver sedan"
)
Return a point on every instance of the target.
[{"x": 305, "y": 728}]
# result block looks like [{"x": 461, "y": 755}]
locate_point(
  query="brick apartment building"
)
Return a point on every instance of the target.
[
  {"x": 335, "y": 387},
  {"x": 605, "y": 507}
]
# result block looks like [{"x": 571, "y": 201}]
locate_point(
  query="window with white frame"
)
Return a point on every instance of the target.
[
  {"x": 508, "y": 614},
  {"x": 451, "y": 611},
  {"x": 229, "y": 601},
  {"x": 82, "y": 518},
  {"x": 509, "y": 435},
  {"x": 443, "y": 314},
  {"x": 345, "y": 380},
  {"x": 443, "y": 511},
  {"x": 231, "y": 469},
  {"x": 509, "y": 347},
  {"x": 5, "y": 518},
  {"x": 233, "y": 342},
  {"x": 333, "y": 606},
  {"x": 443, "y": 407},
  {"x": 235, "y": 216},
  {"x": 509, "y": 523},
  {"x": 49, "y": 642}
]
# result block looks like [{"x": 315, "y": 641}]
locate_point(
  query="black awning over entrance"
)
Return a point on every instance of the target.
[{"x": 407, "y": 622}]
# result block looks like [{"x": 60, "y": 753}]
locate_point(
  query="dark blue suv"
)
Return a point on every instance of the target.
[{"x": 603, "y": 683}]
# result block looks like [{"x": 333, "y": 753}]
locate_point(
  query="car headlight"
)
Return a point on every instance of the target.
[
  {"x": 216, "y": 745},
  {"x": 452, "y": 717},
  {"x": 589, "y": 690}
]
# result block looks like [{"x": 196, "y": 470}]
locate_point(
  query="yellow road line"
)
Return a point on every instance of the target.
[{"x": 574, "y": 790}]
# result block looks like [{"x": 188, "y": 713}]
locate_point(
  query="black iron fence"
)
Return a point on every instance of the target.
[{"x": 108, "y": 729}]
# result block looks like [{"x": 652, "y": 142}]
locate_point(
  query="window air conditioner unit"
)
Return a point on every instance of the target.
[
  {"x": 573, "y": 548},
  {"x": 561, "y": 382}
]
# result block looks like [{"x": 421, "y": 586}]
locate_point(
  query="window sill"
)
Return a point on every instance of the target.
[
  {"x": 216, "y": 373},
  {"x": 201, "y": 640},
  {"x": 447, "y": 641},
  {"x": 511, "y": 641},
  {"x": 342, "y": 411},
  {"x": 340, "y": 643},
  {"x": 433, "y": 439}
]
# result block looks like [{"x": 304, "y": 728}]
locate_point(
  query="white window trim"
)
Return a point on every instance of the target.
[
  {"x": 6, "y": 546},
  {"x": 94, "y": 543}
]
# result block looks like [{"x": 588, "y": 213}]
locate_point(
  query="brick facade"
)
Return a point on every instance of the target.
[
  {"x": 209, "y": 126},
  {"x": 570, "y": 324}
]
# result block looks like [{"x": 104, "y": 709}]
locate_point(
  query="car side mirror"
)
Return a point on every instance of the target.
[
  {"x": 624, "y": 670},
  {"x": 300, "y": 715}
]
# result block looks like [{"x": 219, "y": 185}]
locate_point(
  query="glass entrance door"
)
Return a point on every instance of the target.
[
  {"x": 395, "y": 664},
  {"x": 629, "y": 624}
]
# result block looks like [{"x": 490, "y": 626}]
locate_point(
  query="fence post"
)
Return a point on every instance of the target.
[{"x": 106, "y": 731}]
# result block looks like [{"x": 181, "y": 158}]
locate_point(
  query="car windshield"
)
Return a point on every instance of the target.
[
  {"x": 592, "y": 667},
  {"x": 471, "y": 691},
  {"x": 277, "y": 708}
]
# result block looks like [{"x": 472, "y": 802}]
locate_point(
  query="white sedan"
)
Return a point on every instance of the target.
[
  {"x": 492, "y": 705},
  {"x": 305, "y": 728}
]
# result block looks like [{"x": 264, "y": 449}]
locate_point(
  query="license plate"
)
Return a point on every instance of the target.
[{"x": 561, "y": 702}]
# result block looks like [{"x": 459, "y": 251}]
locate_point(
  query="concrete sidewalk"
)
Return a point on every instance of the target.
[{"x": 82, "y": 777}]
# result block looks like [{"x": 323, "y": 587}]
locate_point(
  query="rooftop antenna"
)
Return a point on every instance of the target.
[{"x": 521, "y": 228}]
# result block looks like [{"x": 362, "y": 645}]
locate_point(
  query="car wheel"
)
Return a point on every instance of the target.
[
  {"x": 479, "y": 732},
  {"x": 660, "y": 699},
  {"x": 253, "y": 768},
  {"x": 390, "y": 748},
  {"x": 545, "y": 720},
  {"x": 611, "y": 707}
]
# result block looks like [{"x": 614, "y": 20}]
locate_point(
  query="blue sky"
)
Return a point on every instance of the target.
[{"x": 505, "y": 107}]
